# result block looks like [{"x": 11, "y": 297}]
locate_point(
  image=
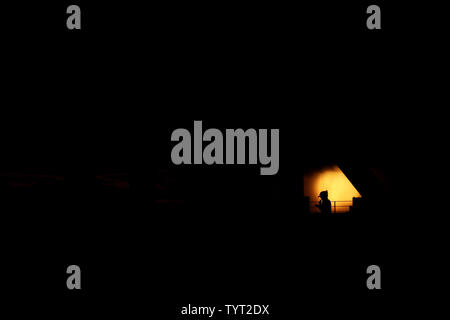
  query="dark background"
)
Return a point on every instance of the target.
[{"x": 82, "y": 106}]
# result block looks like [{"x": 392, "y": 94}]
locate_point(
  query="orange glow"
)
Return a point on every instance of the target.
[{"x": 338, "y": 186}]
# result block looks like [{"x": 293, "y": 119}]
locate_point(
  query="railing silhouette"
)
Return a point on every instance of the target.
[{"x": 340, "y": 206}]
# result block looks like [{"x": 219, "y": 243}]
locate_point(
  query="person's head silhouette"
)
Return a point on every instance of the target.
[{"x": 323, "y": 195}]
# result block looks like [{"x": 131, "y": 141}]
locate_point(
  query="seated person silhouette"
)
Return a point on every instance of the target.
[{"x": 324, "y": 204}]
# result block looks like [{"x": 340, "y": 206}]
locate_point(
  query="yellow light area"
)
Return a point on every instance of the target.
[{"x": 334, "y": 180}]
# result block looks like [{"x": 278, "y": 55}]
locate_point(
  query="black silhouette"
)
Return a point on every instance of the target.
[{"x": 324, "y": 203}]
